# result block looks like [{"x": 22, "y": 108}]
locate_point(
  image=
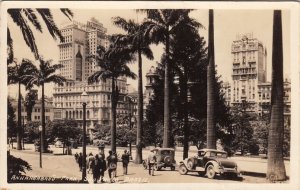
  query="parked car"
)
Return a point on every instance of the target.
[
  {"x": 164, "y": 158},
  {"x": 211, "y": 162},
  {"x": 58, "y": 144}
]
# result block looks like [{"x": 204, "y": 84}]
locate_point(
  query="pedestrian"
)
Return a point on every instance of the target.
[
  {"x": 96, "y": 168},
  {"x": 76, "y": 157},
  {"x": 151, "y": 162},
  {"x": 111, "y": 165},
  {"x": 80, "y": 158},
  {"x": 90, "y": 160},
  {"x": 103, "y": 167},
  {"x": 125, "y": 161}
]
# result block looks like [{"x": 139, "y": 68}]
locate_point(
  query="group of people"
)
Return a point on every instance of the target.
[{"x": 97, "y": 164}]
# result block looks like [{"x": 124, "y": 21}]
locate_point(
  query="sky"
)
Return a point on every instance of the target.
[{"x": 227, "y": 24}]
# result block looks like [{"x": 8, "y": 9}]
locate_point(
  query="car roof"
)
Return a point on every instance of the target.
[
  {"x": 213, "y": 150},
  {"x": 158, "y": 149}
]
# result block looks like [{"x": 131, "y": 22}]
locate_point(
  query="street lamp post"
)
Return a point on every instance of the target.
[
  {"x": 84, "y": 96},
  {"x": 41, "y": 144},
  {"x": 23, "y": 132}
]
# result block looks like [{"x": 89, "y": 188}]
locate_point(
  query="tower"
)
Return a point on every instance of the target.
[
  {"x": 78, "y": 62},
  {"x": 249, "y": 69},
  {"x": 151, "y": 76}
]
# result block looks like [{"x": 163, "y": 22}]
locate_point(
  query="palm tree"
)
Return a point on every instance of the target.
[
  {"x": 160, "y": 25},
  {"x": 39, "y": 77},
  {"x": 211, "y": 131},
  {"x": 22, "y": 18},
  {"x": 16, "y": 75},
  {"x": 140, "y": 46},
  {"x": 113, "y": 65},
  {"x": 30, "y": 100},
  {"x": 276, "y": 168}
]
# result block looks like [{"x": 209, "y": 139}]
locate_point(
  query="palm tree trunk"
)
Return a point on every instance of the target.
[
  {"x": 211, "y": 132},
  {"x": 276, "y": 168},
  {"x": 43, "y": 148},
  {"x": 166, "y": 140},
  {"x": 113, "y": 115},
  {"x": 139, "y": 148},
  {"x": 19, "y": 128},
  {"x": 185, "y": 118}
]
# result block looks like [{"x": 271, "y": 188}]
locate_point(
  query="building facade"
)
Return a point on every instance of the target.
[
  {"x": 249, "y": 77},
  {"x": 36, "y": 111},
  {"x": 81, "y": 42},
  {"x": 249, "y": 68}
]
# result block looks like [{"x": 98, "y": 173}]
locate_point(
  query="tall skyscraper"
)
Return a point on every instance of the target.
[
  {"x": 81, "y": 42},
  {"x": 249, "y": 69},
  {"x": 249, "y": 77}
]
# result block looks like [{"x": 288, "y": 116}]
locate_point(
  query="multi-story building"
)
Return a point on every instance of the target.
[
  {"x": 249, "y": 71},
  {"x": 36, "y": 111},
  {"x": 226, "y": 91},
  {"x": 81, "y": 42}
]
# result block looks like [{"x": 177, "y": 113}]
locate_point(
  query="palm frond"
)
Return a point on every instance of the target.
[
  {"x": 146, "y": 51},
  {"x": 102, "y": 74},
  {"x": 55, "y": 79},
  {"x": 52, "y": 28},
  {"x": 25, "y": 29},
  {"x": 30, "y": 14},
  {"x": 10, "y": 50},
  {"x": 68, "y": 13}
]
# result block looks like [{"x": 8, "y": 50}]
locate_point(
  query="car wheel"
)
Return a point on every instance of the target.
[
  {"x": 182, "y": 169},
  {"x": 210, "y": 172}
]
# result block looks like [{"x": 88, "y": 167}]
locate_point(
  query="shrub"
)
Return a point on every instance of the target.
[{"x": 16, "y": 167}]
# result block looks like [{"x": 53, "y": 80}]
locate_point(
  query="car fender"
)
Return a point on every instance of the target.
[
  {"x": 184, "y": 162},
  {"x": 215, "y": 164}
]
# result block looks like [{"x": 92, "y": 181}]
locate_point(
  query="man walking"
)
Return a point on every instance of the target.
[
  {"x": 151, "y": 162},
  {"x": 102, "y": 166},
  {"x": 112, "y": 165},
  {"x": 125, "y": 161},
  {"x": 96, "y": 168},
  {"x": 80, "y": 158}
]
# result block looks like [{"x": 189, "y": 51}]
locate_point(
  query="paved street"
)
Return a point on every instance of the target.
[{"x": 58, "y": 165}]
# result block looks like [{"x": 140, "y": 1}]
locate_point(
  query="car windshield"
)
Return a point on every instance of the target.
[
  {"x": 166, "y": 152},
  {"x": 218, "y": 154}
]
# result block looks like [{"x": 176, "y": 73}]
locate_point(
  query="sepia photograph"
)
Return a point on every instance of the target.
[{"x": 114, "y": 94}]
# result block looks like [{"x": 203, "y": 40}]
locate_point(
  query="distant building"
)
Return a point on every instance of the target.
[
  {"x": 151, "y": 78},
  {"x": 249, "y": 71},
  {"x": 249, "y": 68},
  {"x": 81, "y": 42},
  {"x": 36, "y": 111}
]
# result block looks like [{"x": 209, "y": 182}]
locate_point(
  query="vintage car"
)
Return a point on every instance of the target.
[
  {"x": 211, "y": 162},
  {"x": 164, "y": 158}
]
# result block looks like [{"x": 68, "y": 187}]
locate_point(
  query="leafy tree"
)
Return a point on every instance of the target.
[
  {"x": 11, "y": 120},
  {"x": 114, "y": 65},
  {"x": 242, "y": 127},
  {"x": 65, "y": 130},
  {"x": 187, "y": 49},
  {"x": 39, "y": 77},
  {"x": 160, "y": 25},
  {"x": 139, "y": 45},
  {"x": 276, "y": 169},
  {"x": 25, "y": 19},
  {"x": 125, "y": 132},
  {"x": 30, "y": 100}
]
